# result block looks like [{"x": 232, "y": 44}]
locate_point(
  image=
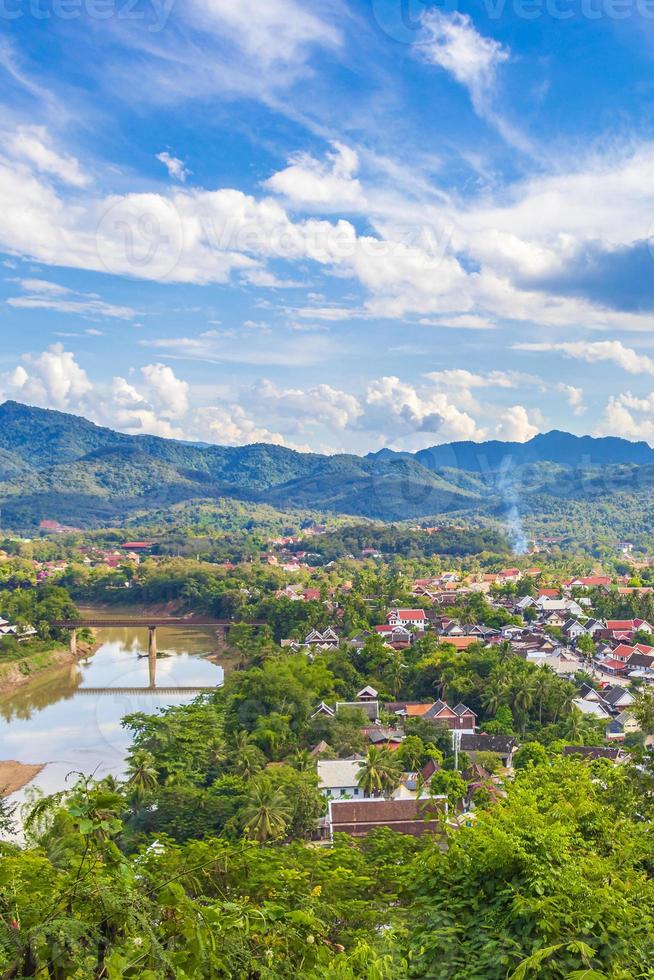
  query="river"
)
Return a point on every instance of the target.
[{"x": 54, "y": 723}]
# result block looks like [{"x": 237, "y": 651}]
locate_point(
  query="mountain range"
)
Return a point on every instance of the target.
[{"x": 61, "y": 467}]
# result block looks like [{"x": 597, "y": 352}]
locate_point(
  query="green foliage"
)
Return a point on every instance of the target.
[{"x": 549, "y": 879}]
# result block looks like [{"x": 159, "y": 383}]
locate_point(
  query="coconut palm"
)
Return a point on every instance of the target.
[
  {"x": 395, "y": 673},
  {"x": 494, "y": 697},
  {"x": 542, "y": 687},
  {"x": 379, "y": 773},
  {"x": 575, "y": 725},
  {"x": 248, "y": 757},
  {"x": 142, "y": 772},
  {"x": 523, "y": 699},
  {"x": 267, "y": 812}
]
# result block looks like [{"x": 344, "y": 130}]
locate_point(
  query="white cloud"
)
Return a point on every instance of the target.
[
  {"x": 32, "y": 143},
  {"x": 168, "y": 393},
  {"x": 232, "y": 425},
  {"x": 175, "y": 167},
  {"x": 515, "y": 425},
  {"x": 575, "y": 397},
  {"x": 271, "y": 31},
  {"x": 621, "y": 417},
  {"x": 79, "y": 307},
  {"x": 452, "y": 42},
  {"x": 307, "y": 181},
  {"x": 319, "y": 404},
  {"x": 52, "y": 379},
  {"x": 395, "y": 409},
  {"x": 594, "y": 351}
]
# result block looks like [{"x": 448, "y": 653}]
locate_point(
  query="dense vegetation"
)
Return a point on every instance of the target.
[
  {"x": 554, "y": 880},
  {"x": 587, "y": 492}
]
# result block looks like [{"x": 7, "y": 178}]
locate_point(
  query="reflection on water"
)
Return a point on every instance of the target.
[{"x": 53, "y": 722}]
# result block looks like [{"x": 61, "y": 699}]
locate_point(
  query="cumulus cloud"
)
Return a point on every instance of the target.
[
  {"x": 317, "y": 404},
  {"x": 629, "y": 417},
  {"x": 232, "y": 425},
  {"x": 515, "y": 425},
  {"x": 332, "y": 183},
  {"x": 575, "y": 397},
  {"x": 395, "y": 409},
  {"x": 52, "y": 379},
  {"x": 168, "y": 393}
]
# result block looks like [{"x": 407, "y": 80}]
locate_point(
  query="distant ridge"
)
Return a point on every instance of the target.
[{"x": 63, "y": 467}]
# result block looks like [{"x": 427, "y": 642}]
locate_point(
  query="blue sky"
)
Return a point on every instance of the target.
[{"x": 330, "y": 225}]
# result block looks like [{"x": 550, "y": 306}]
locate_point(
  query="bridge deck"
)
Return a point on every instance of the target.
[
  {"x": 145, "y": 690},
  {"x": 151, "y": 622}
]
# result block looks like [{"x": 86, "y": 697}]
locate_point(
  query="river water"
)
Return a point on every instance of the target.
[{"x": 54, "y": 723}]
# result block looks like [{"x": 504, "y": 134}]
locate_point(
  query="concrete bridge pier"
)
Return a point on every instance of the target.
[
  {"x": 73, "y": 642},
  {"x": 152, "y": 655}
]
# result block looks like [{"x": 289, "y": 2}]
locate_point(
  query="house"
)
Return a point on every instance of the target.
[
  {"x": 369, "y": 708},
  {"x": 461, "y": 718},
  {"x": 593, "y": 626},
  {"x": 407, "y": 617},
  {"x": 573, "y": 630},
  {"x": 327, "y": 640},
  {"x": 395, "y": 635},
  {"x": 410, "y": 816},
  {"x": 385, "y": 738},
  {"x": 553, "y": 619},
  {"x": 409, "y": 709},
  {"x": 565, "y": 607},
  {"x": 462, "y": 642},
  {"x": 624, "y": 724},
  {"x": 592, "y": 752},
  {"x": 338, "y": 777},
  {"x": 501, "y": 745},
  {"x": 589, "y": 582},
  {"x": 617, "y": 698},
  {"x": 322, "y": 709},
  {"x": 367, "y": 693},
  {"x": 612, "y": 666},
  {"x": 592, "y": 708}
]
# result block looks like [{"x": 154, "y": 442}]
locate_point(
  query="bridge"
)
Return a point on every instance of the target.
[
  {"x": 145, "y": 690},
  {"x": 150, "y": 623}
]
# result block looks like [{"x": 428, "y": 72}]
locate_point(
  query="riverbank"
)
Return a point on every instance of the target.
[
  {"x": 17, "y": 674},
  {"x": 15, "y": 775}
]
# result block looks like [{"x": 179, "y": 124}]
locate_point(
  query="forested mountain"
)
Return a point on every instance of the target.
[{"x": 60, "y": 467}]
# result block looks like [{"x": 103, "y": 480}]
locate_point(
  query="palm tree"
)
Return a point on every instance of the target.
[
  {"x": 248, "y": 758},
  {"x": 575, "y": 725},
  {"x": 542, "y": 686},
  {"x": 524, "y": 698},
  {"x": 504, "y": 651},
  {"x": 395, "y": 673},
  {"x": 379, "y": 773},
  {"x": 494, "y": 697},
  {"x": 142, "y": 772},
  {"x": 267, "y": 812},
  {"x": 302, "y": 760}
]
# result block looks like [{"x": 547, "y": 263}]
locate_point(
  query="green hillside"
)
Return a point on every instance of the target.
[{"x": 60, "y": 467}]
